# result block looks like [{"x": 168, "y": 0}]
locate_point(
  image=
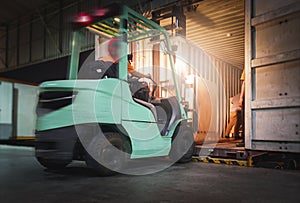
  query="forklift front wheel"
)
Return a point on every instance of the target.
[
  {"x": 183, "y": 144},
  {"x": 108, "y": 153}
]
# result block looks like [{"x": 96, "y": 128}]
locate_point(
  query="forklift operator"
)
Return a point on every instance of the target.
[{"x": 107, "y": 66}]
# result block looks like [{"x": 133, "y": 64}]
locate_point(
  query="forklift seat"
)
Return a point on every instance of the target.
[
  {"x": 148, "y": 105},
  {"x": 168, "y": 112}
]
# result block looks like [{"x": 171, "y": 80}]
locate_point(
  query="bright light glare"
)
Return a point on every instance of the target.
[
  {"x": 189, "y": 79},
  {"x": 100, "y": 12},
  {"x": 83, "y": 18}
]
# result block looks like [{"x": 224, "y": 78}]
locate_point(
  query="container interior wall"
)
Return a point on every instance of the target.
[
  {"x": 206, "y": 84},
  {"x": 217, "y": 26},
  {"x": 272, "y": 75},
  {"x": 218, "y": 82}
]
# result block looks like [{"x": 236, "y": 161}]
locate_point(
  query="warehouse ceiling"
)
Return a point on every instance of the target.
[{"x": 12, "y": 9}]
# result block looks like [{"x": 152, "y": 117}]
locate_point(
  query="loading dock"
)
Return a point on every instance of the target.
[{"x": 222, "y": 39}]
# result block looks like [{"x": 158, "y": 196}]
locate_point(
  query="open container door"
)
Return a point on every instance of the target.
[{"x": 272, "y": 73}]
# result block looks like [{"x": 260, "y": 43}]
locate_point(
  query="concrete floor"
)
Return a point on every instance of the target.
[{"x": 22, "y": 179}]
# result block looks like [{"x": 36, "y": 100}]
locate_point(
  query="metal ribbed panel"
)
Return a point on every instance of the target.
[
  {"x": 222, "y": 82},
  {"x": 218, "y": 27},
  {"x": 208, "y": 96}
]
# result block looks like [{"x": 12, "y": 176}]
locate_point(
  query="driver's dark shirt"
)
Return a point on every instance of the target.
[{"x": 98, "y": 69}]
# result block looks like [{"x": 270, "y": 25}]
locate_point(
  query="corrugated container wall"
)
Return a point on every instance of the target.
[
  {"x": 215, "y": 82},
  {"x": 272, "y": 75},
  {"x": 205, "y": 82},
  {"x": 217, "y": 27}
]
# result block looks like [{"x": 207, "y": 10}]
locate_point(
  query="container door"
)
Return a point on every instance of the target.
[{"x": 272, "y": 71}]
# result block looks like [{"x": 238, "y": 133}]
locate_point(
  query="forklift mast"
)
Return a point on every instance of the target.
[{"x": 122, "y": 22}]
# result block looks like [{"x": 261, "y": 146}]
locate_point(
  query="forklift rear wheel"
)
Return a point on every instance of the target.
[
  {"x": 108, "y": 153},
  {"x": 53, "y": 164},
  {"x": 183, "y": 145}
]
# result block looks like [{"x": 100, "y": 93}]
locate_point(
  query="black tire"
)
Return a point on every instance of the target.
[
  {"x": 53, "y": 164},
  {"x": 104, "y": 154},
  {"x": 183, "y": 145}
]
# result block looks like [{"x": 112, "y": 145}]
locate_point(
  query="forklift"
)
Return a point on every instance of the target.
[{"x": 102, "y": 120}]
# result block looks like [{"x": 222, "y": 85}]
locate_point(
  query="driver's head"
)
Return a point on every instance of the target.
[{"x": 114, "y": 48}]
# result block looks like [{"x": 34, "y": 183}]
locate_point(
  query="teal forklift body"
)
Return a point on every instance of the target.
[{"x": 107, "y": 101}]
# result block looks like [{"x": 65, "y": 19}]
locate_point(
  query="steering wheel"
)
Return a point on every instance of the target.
[{"x": 136, "y": 79}]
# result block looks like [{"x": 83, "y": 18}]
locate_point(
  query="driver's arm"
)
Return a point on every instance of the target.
[
  {"x": 140, "y": 75},
  {"x": 134, "y": 73}
]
